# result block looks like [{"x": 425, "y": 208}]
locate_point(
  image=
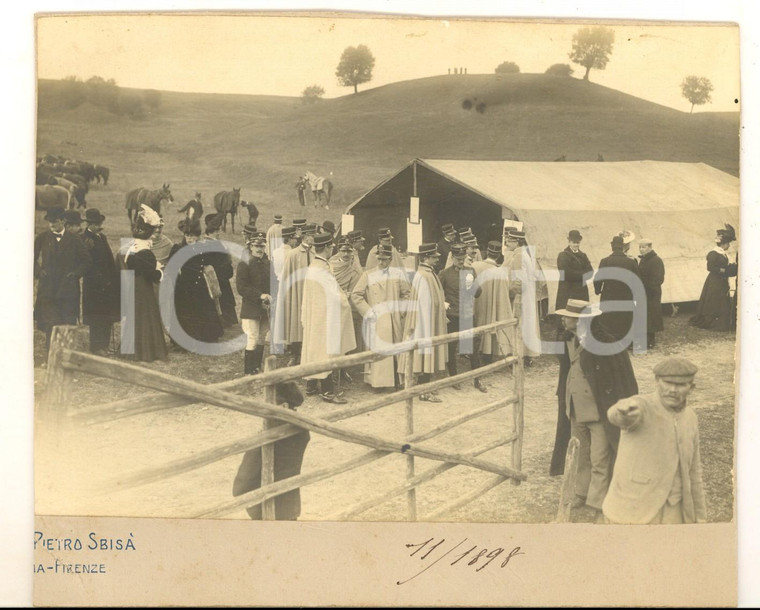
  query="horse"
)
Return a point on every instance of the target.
[
  {"x": 321, "y": 188},
  {"x": 101, "y": 173},
  {"x": 51, "y": 196},
  {"x": 153, "y": 199},
  {"x": 227, "y": 202},
  {"x": 75, "y": 189}
]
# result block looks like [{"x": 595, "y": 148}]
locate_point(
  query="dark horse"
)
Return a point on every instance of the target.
[
  {"x": 153, "y": 199},
  {"x": 227, "y": 202},
  {"x": 321, "y": 188}
]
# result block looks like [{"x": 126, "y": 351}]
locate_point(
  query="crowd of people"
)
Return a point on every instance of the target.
[{"x": 312, "y": 296}]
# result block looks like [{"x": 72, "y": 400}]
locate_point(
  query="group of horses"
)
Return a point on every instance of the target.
[
  {"x": 64, "y": 183},
  {"x": 225, "y": 202}
]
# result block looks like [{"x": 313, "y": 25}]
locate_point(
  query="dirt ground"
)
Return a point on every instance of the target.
[{"x": 77, "y": 469}]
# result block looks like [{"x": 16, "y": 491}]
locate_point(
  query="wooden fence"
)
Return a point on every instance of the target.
[{"x": 281, "y": 422}]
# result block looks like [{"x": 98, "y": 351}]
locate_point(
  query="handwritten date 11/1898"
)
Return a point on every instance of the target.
[{"x": 464, "y": 556}]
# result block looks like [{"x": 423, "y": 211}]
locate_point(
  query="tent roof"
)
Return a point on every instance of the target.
[
  {"x": 595, "y": 186},
  {"x": 677, "y": 205}
]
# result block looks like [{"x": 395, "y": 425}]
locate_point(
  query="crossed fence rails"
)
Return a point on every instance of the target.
[{"x": 281, "y": 422}]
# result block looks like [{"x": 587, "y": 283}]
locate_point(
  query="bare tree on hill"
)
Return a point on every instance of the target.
[
  {"x": 697, "y": 90},
  {"x": 355, "y": 66},
  {"x": 592, "y": 48}
]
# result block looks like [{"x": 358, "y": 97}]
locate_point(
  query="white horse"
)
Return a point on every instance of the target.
[{"x": 321, "y": 188}]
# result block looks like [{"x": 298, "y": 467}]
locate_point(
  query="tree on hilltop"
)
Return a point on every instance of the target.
[
  {"x": 312, "y": 94},
  {"x": 592, "y": 48},
  {"x": 507, "y": 67},
  {"x": 559, "y": 70},
  {"x": 355, "y": 66},
  {"x": 697, "y": 90}
]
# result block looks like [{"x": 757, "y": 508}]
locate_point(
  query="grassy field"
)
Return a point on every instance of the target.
[{"x": 208, "y": 143}]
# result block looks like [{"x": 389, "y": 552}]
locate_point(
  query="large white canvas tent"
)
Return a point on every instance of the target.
[{"x": 678, "y": 206}]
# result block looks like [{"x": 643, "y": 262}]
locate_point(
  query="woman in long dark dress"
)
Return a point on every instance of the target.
[
  {"x": 714, "y": 307},
  {"x": 194, "y": 306},
  {"x": 147, "y": 342}
]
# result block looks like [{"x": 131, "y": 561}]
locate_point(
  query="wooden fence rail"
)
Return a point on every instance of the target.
[
  {"x": 280, "y": 423},
  {"x": 148, "y": 403}
]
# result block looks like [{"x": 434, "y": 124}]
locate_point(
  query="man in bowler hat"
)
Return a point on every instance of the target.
[{"x": 60, "y": 260}]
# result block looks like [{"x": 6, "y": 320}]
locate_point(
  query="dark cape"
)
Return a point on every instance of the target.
[
  {"x": 618, "y": 323},
  {"x": 611, "y": 379},
  {"x": 222, "y": 264},
  {"x": 195, "y": 309},
  {"x": 574, "y": 265},
  {"x": 101, "y": 283},
  {"x": 714, "y": 310},
  {"x": 652, "y": 272}
]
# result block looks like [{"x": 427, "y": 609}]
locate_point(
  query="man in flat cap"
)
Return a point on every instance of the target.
[
  {"x": 357, "y": 240},
  {"x": 274, "y": 235},
  {"x": 460, "y": 292},
  {"x": 328, "y": 329},
  {"x": 381, "y": 286},
  {"x": 60, "y": 260},
  {"x": 426, "y": 319},
  {"x": 347, "y": 274},
  {"x": 299, "y": 224},
  {"x": 658, "y": 472},
  {"x": 652, "y": 273},
  {"x": 444, "y": 246},
  {"x": 253, "y": 285},
  {"x": 288, "y": 326},
  {"x": 526, "y": 286},
  {"x": 493, "y": 304},
  {"x": 384, "y": 238}
]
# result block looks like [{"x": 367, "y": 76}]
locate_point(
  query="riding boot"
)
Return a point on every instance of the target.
[
  {"x": 248, "y": 366},
  {"x": 258, "y": 355}
]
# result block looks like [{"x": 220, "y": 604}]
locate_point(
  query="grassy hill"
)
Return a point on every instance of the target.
[{"x": 261, "y": 144}]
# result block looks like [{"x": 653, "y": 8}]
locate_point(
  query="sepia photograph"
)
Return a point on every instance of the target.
[{"x": 450, "y": 283}]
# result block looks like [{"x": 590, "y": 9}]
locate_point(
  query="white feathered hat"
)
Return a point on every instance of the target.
[{"x": 149, "y": 216}]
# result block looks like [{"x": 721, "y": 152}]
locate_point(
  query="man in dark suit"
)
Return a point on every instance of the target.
[
  {"x": 574, "y": 264},
  {"x": 100, "y": 285},
  {"x": 60, "y": 260},
  {"x": 618, "y": 323},
  {"x": 589, "y": 383}
]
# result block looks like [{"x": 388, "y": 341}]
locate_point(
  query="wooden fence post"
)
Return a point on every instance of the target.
[
  {"x": 567, "y": 492},
  {"x": 267, "y": 451},
  {"x": 57, "y": 379},
  {"x": 411, "y": 495},
  {"x": 517, "y": 408}
]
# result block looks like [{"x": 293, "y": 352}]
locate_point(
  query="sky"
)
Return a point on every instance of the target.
[{"x": 281, "y": 55}]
